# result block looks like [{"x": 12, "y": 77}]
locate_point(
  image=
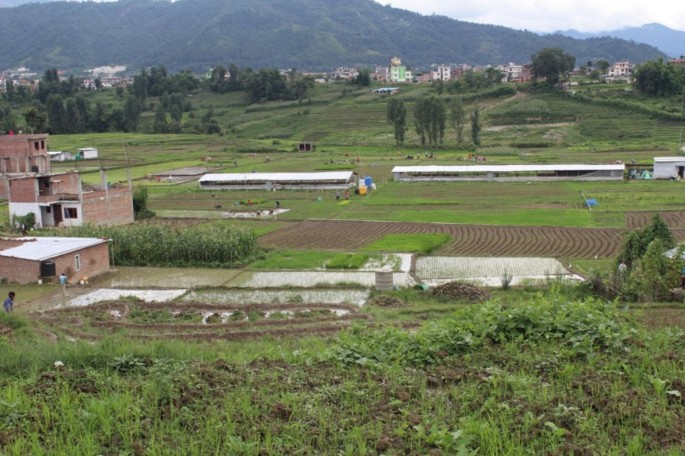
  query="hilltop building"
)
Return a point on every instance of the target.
[{"x": 56, "y": 198}]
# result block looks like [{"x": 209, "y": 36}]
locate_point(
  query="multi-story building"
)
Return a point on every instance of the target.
[
  {"x": 620, "y": 70},
  {"x": 398, "y": 72},
  {"x": 346, "y": 73},
  {"x": 441, "y": 73},
  {"x": 56, "y": 198}
]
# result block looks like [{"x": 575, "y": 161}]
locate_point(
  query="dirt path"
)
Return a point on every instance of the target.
[{"x": 498, "y": 103}]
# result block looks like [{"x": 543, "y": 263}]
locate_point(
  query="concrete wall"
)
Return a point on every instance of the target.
[{"x": 93, "y": 261}]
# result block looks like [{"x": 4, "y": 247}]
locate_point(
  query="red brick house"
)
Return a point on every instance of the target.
[
  {"x": 56, "y": 199},
  {"x": 30, "y": 259}
]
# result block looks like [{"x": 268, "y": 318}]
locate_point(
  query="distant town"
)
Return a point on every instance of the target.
[{"x": 395, "y": 72}]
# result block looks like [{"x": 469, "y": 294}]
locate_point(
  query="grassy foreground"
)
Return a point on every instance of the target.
[{"x": 544, "y": 375}]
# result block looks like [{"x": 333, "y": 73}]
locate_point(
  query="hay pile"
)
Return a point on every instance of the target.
[
  {"x": 459, "y": 290},
  {"x": 385, "y": 301}
]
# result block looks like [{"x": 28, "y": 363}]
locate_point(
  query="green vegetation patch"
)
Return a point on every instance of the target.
[
  {"x": 307, "y": 260},
  {"x": 347, "y": 261},
  {"x": 419, "y": 243},
  {"x": 292, "y": 259},
  {"x": 214, "y": 245}
]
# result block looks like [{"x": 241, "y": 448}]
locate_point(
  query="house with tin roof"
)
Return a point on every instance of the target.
[{"x": 32, "y": 259}]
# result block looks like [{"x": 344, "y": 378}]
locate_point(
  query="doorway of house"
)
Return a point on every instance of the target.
[{"x": 57, "y": 213}]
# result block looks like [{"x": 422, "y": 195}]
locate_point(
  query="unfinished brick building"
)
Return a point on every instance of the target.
[{"x": 56, "y": 199}]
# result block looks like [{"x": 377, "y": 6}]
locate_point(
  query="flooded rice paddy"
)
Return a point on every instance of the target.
[{"x": 241, "y": 287}]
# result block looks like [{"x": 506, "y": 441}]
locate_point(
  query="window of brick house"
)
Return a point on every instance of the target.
[
  {"x": 70, "y": 212},
  {"x": 36, "y": 145},
  {"x": 77, "y": 262}
]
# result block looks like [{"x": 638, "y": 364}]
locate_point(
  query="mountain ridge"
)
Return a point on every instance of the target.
[
  {"x": 661, "y": 37},
  {"x": 303, "y": 34}
]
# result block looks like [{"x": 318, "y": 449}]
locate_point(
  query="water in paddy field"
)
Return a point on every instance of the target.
[
  {"x": 318, "y": 296},
  {"x": 223, "y": 286},
  {"x": 167, "y": 277}
]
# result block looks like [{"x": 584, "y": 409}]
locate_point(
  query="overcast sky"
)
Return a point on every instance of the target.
[{"x": 553, "y": 15}]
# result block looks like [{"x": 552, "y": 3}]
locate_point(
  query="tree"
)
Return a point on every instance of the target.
[
  {"x": 56, "y": 117},
  {"x": 160, "y": 124},
  {"x": 9, "y": 90},
  {"x": 363, "y": 78},
  {"x": 217, "y": 79},
  {"x": 266, "y": 85},
  {"x": 458, "y": 117},
  {"x": 475, "y": 126},
  {"x": 649, "y": 277},
  {"x": 209, "y": 123},
  {"x": 430, "y": 116},
  {"x": 636, "y": 242},
  {"x": 549, "y": 64},
  {"x": 299, "y": 86},
  {"x": 7, "y": 121},
  {"x": 36, "y": 117},
  {"x": 397, "y": 116},
  {"x": 658, "y": 79},
  {"x": 131, "y": 113},
  {"x": 602, "y": 66},
  {"x": 140, "y": 209},
  {"x": 99, "y": 120}
]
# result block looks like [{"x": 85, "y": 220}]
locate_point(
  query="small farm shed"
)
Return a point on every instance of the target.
[
  {"x": 508, "y": 173},
  {"x": 86, "y": 153},
  {"x": 279, "y": 181},
  {"x": 58, "y": 155},
  {"x": 306, "y": 147},
  {"x": 669, "y": 167},
  {"x": 30, "y": 259}
]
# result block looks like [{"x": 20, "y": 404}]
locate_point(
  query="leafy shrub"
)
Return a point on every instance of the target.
[{"x": 581, "y": 326}]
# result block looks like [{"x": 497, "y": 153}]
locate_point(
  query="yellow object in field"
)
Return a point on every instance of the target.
[{"x": 362, "y": 190}]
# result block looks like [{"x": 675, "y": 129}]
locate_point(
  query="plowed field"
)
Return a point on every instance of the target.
[
  {"x": 674, "y": 219},
  {"x": 477, "y": 240}
]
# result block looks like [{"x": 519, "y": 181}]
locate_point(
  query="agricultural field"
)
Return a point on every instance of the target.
[{"x": 293, "y": 351}]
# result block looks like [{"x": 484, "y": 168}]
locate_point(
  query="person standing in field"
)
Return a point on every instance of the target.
[
  {"x": 9, "y": 302},
  {"x": 63, "y": 282}
]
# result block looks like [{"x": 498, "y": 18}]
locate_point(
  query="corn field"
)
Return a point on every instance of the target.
[{"x": 161, "y": 245}]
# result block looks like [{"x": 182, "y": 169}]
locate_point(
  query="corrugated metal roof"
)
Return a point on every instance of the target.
[
  {"x": 278, "y": 177},
  {"x": 668, "y": 159},
  {"x": 44, "y": 248},
  {"x": 505, "y": 168}
]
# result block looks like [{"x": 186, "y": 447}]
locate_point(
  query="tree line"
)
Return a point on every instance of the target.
[{"x": 60, "y": 106}]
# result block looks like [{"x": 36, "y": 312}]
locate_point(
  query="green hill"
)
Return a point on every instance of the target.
[{"x": 304, "y": 34}]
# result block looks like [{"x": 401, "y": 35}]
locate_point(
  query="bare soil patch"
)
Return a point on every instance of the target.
[
  {"x": 662, "y": 317},
  {"x": 674, "y": 219}
]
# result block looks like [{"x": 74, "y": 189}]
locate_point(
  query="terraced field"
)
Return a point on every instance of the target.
[{"x": 199, "y": 321}]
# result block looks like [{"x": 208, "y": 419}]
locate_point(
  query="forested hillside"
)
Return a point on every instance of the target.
[{"x": 303, "y": 34}]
